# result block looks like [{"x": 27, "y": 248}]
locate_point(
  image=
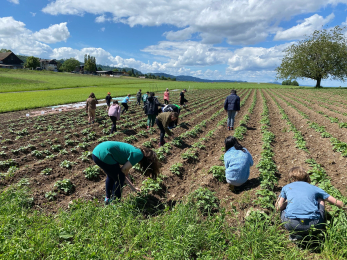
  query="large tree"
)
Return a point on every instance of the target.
[
  {"x": 89, "y": 63},
  {"x": 320, "y": 56},
  {"x": 70, "y": 64},
  {"x": 32, "y": 62}
]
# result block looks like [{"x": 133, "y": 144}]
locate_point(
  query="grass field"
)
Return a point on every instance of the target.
[
  {"x": 41, "y": 88},
  {"x": 189, "y": 211}
]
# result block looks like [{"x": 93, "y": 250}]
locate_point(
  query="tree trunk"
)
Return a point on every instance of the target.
[{"x": 318, "y": 83}]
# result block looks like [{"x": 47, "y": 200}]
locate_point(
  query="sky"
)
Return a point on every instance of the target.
[{"x": 210, "y": 39}]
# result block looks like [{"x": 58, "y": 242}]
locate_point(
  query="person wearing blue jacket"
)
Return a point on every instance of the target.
[
  {"x": 237, "y": 162},
  {"x": 231, "y": 106}
]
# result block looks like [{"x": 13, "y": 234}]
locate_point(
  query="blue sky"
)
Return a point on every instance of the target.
[{"x": 212, "y": 39}]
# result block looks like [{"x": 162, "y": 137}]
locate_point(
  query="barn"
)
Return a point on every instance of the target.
[{"x": 9, "y": 60}]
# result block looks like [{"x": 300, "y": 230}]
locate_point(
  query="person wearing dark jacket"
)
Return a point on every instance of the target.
[
  {"x": 138, "y": 96},
  {"x": 231, "y": 106},
  {"x": 151, "y": 109},
  {"x": 108, "y": 101}
]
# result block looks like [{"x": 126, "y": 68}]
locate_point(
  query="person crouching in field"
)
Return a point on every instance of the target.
[
  {"x": 91, "y": 107},
  {"x": 231, "y": 106},
  {"x": 302, "y": 204},
  {"x": 110, "y": 155},
  {"x": 163, "y": 121},
  {"x": 151, "y": 109},
  {"x": 114, "y": 114},
  {"x": 108, "y": 101},
  {"x": 237, "y": 162}
]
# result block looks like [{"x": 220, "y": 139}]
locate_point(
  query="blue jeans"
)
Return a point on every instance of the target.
[
  {"x": 302, "y": 226},
  {"x": 115, "y": 177},
  {"x": 231, "y": 117}
]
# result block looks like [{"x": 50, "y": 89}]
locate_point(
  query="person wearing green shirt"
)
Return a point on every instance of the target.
[
  {"x": 110, "y": 155},
  {"x": 145, "y": 97}
]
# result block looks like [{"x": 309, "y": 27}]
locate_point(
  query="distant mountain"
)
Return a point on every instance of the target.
[
  {"x": 190, "y": 78},
  {"x": 275, "y": 82}
]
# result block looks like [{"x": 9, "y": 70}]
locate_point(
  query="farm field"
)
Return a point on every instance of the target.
[
  {"x": 51, "y": 200},
  {"x": 35, "y": 89}
]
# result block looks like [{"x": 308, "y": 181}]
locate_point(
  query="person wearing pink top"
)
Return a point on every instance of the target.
[
  {"x": 166, "y": 96},
  {"x": 114, "y": 114}
]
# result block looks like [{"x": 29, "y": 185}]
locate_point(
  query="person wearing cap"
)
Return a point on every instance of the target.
[
  {"x": 108, "y": 101},
  {"x": 166, "y": 96},
  {"x": 182, "y": 99},
  {"x": 231, "y": 106},
  {"x": 138, "y": 97}
]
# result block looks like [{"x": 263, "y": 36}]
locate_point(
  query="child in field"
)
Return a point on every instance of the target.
[
  {"x": 302, "y": 204},
  {"x": 237, "y": 162},
  {"x": 110, "y": 155},
  {"x": 108, "y": 101}
]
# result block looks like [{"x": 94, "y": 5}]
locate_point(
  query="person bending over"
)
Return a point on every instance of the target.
[
  {"x": 172, "y": 108},
  {"x": 125, "y": 102},
  {"x": 91, "y": 107},
  {"x": 110, "y": 155},
  {"x": 302, "y": 204},
  {"x": 114, "y": 114},
  {"x": 237, "y": 162},
  {"x": 163, "y": 121}
]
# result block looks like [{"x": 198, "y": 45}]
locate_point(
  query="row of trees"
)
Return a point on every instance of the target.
[{"x": 289, "y": 82}]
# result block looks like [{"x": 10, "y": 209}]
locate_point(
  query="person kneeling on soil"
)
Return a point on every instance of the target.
[
  {"x": 237, "y": 162},
  {"x": 110, "y": 155},
  {"x": 302, "y": 204},
  {"x": 163, "y": 121},
  {"x": 91, "y": 107},
  {"x": 114, "y": 114}
]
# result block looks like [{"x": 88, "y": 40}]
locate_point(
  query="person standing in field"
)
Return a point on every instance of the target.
[
  {"x": 110, "y": 155},
  {"x": 114, "y": 114},
  {"x": 166, "y": 96},
  {"x": 91, "y": 107},
  {"x": 237, "y": 162},
  {"x": 145, "y": 97},
  {"x": 302, "y": 205},
  {"x": 138, "y": 97},
  {"x": 231, "y": 106},
  {"x": 108, "y": 101},
  {"x": 125, "y": 102},
  {"x": 151, "y": 109},
  {"x": 163, "y": 121},
  {"x": 182, "y": 98}
]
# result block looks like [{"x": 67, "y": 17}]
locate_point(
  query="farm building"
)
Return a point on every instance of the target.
[
  {"x": 9, "y": 60},
  {"x": 112, "y": 73},
  {"x": 48, "y": 64}
]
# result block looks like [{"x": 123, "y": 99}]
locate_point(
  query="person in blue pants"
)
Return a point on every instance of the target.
[
  {"x": 231, "y": 106},
  {"x": 110, "y": 155}
]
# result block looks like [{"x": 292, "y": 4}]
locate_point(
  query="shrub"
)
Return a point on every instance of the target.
[{"x": 204, "y": 200}]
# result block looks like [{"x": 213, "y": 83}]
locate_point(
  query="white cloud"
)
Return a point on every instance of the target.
[
  {"x": 14, "y": 1},
  {"x": 237, "y": 21},
  {"x": 54, "y": 33},
  {"x": 307, "y": 27},
  {"x": 103, "y": 29},
  {"x": 33, "y": 14},
  {"x": 10, "y": 27}
]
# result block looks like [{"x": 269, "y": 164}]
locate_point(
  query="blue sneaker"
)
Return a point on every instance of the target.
[{"x": 108, "y": 201}]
